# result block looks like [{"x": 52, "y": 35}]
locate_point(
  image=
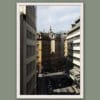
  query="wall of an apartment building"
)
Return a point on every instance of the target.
[
  {"x": 73, "y": 38},
  {"x": 46, "y": 53},
  {"x": 28, "y": 51},
  {"x": 43, "y": 49},
  {"x": 52, "y": 51},
  {"x": 58, "y": 55}
]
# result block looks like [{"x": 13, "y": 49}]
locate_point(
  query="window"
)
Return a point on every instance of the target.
[
  {"x": 30, "y": 35},
  {"x": 30, "y": 50},
  {"x": 76, "y": 51},
  {"x": 76, "y": 58}
]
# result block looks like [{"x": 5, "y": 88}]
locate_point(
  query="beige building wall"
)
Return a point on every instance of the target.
[
  {"x": 39, "y": 54},
  {"x": 52, "y": 46},
  {"x": 65, "y": 48}
]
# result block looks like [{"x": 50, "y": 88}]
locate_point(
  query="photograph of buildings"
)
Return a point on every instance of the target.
[{"x": 50, "y": 50}]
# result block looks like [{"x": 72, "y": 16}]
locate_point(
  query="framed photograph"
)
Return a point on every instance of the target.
[{"x": 50, "y": 50}]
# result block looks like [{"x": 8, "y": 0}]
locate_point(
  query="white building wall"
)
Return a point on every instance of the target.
[{"x": 74, "y": 38}]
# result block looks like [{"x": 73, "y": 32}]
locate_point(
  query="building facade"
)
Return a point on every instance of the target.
[
  {"x": 73, "y": 38},
  {"x": 43, "y": 51},
  {"x": 52, "y": 50},
  {"x": 27, "y": 50}
]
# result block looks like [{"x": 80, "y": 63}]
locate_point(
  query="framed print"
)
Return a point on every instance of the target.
[{"x": 50, "y": 62}]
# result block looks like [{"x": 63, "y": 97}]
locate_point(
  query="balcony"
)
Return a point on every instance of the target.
[
  {"x": 76, "y": 62},
  {"x": 76, "y": 55},
  {"x": 76, "y": 41},
  {"x": 76, "y": 48},
  {"x": 73, "y": 35}
]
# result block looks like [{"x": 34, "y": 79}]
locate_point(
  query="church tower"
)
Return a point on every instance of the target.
[{"x": 52, "y": 37}]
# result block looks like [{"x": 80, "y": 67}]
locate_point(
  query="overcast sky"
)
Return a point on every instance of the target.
[{"x": 59, "y": 18}]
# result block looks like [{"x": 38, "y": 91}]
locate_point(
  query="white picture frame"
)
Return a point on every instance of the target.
[{"x": 18, "y": 95}]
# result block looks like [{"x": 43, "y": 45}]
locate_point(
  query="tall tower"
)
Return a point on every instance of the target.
[{"x": 52, "y": 37}]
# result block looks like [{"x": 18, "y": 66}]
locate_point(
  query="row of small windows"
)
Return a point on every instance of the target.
[
  {"x": 30, "y": 67},
  {"x": 71, "y": 45},
  {"x": 76, "y": 51},
  {"x": 30, "y": 51},
  {"x": 76, "y": 44},
  {"x": 71, "y": 58},
  {"x": 76, "y": 58},
  {"x": 30, "y": 35}
]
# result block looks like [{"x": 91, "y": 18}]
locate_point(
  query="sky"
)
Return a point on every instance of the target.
[{"x": 59, "y": 18}]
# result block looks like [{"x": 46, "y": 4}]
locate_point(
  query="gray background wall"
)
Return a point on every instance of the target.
[{"x": 8, "y": 48}]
